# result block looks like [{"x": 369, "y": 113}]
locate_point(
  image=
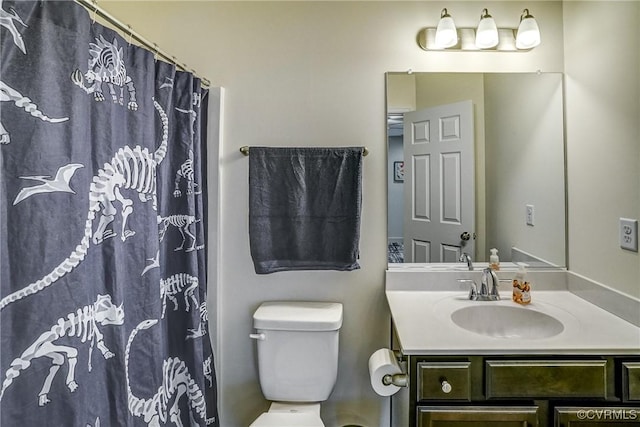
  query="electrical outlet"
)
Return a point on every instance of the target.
[
  {"x": 529, "y": 215},
  {"x": 629, "y": 234}
]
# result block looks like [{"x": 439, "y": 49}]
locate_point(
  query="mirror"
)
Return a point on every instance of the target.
[{"x": 517, "y": 168}]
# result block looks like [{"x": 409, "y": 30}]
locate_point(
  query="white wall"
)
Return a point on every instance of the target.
[
  {"x": 602, "y": 67},
  {"x": 312, "y": 73}
]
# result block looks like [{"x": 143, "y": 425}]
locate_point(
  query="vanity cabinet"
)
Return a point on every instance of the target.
[
  {"x": 546, "y": 378},
  {"x": 444, "y": 381},
  {"x": 523, "y": 391},
  {"x": 631, "y": 381},
  {"x": 477, "y": 416},
  {"x": 603, "y": 416}
]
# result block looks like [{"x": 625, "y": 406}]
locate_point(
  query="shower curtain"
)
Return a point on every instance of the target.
[{"x": 103, "y": 314}]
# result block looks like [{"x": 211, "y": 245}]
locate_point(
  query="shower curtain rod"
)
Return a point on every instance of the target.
[{"x": 93, "y": 8}]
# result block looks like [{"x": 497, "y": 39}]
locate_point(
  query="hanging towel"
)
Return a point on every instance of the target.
[{"x": 304, "y": 208}]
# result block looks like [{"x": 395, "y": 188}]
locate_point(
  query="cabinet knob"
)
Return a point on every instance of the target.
[{"x": 446, "y": 387}]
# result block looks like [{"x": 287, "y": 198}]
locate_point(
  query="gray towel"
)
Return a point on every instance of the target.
[{"x": 304, "y": 208}]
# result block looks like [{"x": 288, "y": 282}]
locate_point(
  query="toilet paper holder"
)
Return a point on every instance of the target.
[
  {"x": 398, "y": 380},
  {"x": 387, "y": 371}
]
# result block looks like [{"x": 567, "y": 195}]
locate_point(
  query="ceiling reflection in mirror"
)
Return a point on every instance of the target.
[{"x": 512, "y": 181}]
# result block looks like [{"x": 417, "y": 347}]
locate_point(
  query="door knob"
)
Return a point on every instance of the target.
[{"x": 465, "y": 236}]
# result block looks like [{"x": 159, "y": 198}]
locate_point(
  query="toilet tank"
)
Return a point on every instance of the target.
[{"x": 297, "y": 349}]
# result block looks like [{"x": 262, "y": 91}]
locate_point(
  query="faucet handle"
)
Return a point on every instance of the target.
[
  {"x": 473, "y": 290},
  {"x": 491, "y": 288}
]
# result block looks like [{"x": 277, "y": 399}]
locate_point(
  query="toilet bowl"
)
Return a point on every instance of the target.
[
  {"x": 290, "y": 415},
  {"x": 297, "y": 349}
]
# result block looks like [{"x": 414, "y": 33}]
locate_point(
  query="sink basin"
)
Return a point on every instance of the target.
[{"x": 506, "y": 322}]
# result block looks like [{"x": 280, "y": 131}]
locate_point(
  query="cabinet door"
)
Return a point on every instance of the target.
[
  {"x": 631, "y": 381},
  {"x": 597, "y": 416},
  {"x": 477, "y": 416}
]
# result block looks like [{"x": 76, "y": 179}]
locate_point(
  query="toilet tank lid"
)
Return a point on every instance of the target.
[{"x": 298, "y": 316}]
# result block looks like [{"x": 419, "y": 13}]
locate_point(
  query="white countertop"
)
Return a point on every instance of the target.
[{"x": 424, "y": 327}]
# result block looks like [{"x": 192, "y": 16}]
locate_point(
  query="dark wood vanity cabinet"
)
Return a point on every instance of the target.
[
  {"x": 597, "y": 416},
  {"x": 546, "y": 379},
  {"x": 524, "y": 391},
  {"x": 631, "y": 381},
  {"x": 477, "y": 416}
]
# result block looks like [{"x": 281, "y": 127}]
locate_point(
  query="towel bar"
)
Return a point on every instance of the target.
[{"x": 245, "y": 150}]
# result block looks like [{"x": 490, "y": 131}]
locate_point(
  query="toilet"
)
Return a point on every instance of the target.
[{"x": 297, "y": 350}]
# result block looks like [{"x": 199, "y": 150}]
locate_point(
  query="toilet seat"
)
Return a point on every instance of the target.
[{"x": 284, "y": 419}]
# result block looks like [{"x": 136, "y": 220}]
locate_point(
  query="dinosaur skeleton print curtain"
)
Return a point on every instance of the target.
[{"x": 102, "y": 228}]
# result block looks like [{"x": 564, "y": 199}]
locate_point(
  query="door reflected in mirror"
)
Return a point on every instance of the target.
[{"x": 483, "y": 156}]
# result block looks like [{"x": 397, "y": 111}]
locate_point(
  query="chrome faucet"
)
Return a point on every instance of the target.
[
  {"x": 465, "y": 257},
  {"x": 488, "y": 287},
  {"x": 489, "y": 275}
]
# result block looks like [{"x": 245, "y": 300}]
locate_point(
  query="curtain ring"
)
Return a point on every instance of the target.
[
  {"x": 95, "y": 12},
  {"x": 130, "y": 34},
  {"x": 155, "y": 53}
]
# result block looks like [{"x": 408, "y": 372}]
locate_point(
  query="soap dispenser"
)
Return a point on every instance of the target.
[
  {"x": 494, "y": 261},
  {"x": 521, "y": 287}
]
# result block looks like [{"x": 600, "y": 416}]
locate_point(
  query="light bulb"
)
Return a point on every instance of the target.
[
  {"x": 528, "y": 35},
  {"x": 487, "y": 32},
  {"x": 446, "y": 33}
]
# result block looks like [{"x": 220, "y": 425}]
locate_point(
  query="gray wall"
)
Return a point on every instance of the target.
[{"x": 312, "y": 73}]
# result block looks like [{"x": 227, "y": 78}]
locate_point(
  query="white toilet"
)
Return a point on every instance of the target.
[{"x": 297, "y": 360}]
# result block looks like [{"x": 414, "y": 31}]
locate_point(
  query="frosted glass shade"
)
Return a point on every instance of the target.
[
  {"x": 487, "y": 33},
  {"x": 528, "y": 33},
  {"x": 446, "y": 34}
]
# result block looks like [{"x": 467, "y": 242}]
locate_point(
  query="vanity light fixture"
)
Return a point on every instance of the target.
[
  {"x": 487, "y": 31},
  {"x": 528, "y": 35},
  {"x": 446, "y": 33},
  {"x": 486, "y": 36}
]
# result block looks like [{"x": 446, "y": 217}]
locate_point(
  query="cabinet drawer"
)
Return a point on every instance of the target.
[
  {"x": 546, "y": 378},
  {"x": 477, "y": 416},
  {"x": 596, "y": 416},
  {"x": 444, "y": 381},
  {"x": 631, "y": 381}
]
